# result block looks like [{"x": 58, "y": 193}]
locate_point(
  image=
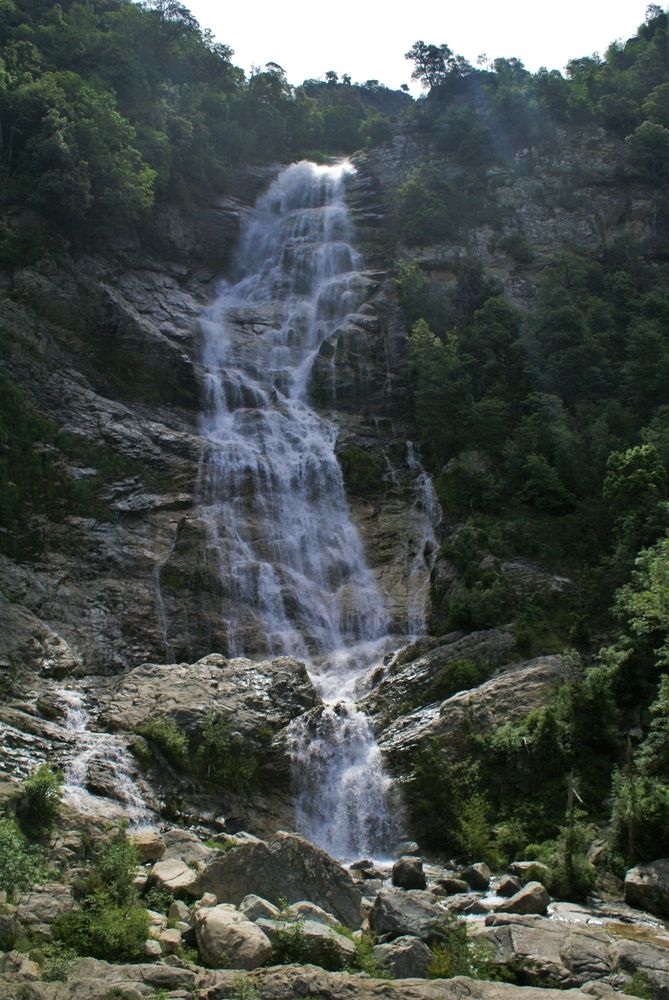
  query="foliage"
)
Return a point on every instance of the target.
[
  {"x": 20, "y": 865},
  {"x": 290, "y": 945},
  {"x": 362, "y": 469},
  {"x": 57, "y": 961},
  {"x": 457, "y": 955},
  {"x": 225, "y": 756},
  {"x": 164, "y": 735},
  {"x": 111, "y": 924},
  {"x": 37, "y": 804}
]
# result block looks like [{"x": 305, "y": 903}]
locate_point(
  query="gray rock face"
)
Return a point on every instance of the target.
[
  {"x": 227, "y": 939},
  {"x": 647, "y": 887},
  {"x": 269, "y": 693},
  {"x": 400, "y": 912},
  {"x": 532, "y": 898},
  {"x": 288, "y": 867},
  {"x": 36, "y": 910},
  {"x": 408, "y": 873},
  {"x": 508, "y": 885},
  {"x": 405, "y": 957},
  {"x": 254, "y": 907}
]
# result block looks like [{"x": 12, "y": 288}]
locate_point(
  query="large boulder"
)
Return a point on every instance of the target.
[
  {"x": 400, "y": 912},
  {"x": 532, "y": 898},
  {"x": 477, "y": 876},
  {"x": 226, "y": 939},
  {"x": 322, "y": 943},
  {"x": 150, "y": 845},
  {"x": 175, "y": 876},
  {"x": 408, "y": 873},
  {"x": 405, "y": 958},
  {"x": 647, "y": 887},
  {"x": 290, "y": 868}
]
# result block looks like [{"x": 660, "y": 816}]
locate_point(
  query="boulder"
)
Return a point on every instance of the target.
[
  {"x": 532, "y": 898},
  {"x": 150, "y": 845},
  {"x": 477, "y": 876},
  {"x": 36, "y": 910},
  {"x": 525, "y": 869},
  {"x": 170, "y": 940},
  {"x": 647, "y": 887},
  {"x": 182, "y": 845},
  {"x": 452, "y": 885},
  {"x": 319, "y": 938},
  {"x": 178, "y": 910},
  {"x": 225, "y": 938},
  {"x": 254, "y": 907},
  {"x": 405, "y": 958},
  {"x": 408, "y": 873},
  {"x": 401, "y": 912},
  {"x": 152, "y": 948},
  {"x": 309, "y": 911},
  {"x": 289, "y": 867},
  {"x": 508, "y": 885},
  {"x": 175, "y": 876}
]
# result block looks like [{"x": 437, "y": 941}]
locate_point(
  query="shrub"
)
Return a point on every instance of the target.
[
  {"x": 20, "y": 866},
  {"x": 38, "y": 802},
  {"x": 456, "y": 955},
  {"x": 362, "y": 470},
  {"x": 291, "y": 946},
  {"x": 111, "y": 923},
  {"x": 57, "y": 961},
  {"x": 226, "y": 756},
  {"x": 165, "y": 735}
]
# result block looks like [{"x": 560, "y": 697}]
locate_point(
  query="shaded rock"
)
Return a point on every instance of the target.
[
  {"x": 532, "y": 898},
  {"x": 477, "y": 876},
  {"x": 400, "y": 912},
  {"x": 408, "y": 873},
  {"x": 226, "y": 938},
  {"x": 525, "y": 869},
  {"x": 451, "y": 885},
  {"x": 405, "y": 957},
  {"x": 647, "y": 887},
  {"x": 175, "y": 876},
  {"x": 288, "y": 867}
]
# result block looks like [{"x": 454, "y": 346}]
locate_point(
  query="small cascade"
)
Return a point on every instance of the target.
[
  {"x": 291, "y": 565},
  {"x": 426, "y": 518},
  {"x": 109, "y": 754}
]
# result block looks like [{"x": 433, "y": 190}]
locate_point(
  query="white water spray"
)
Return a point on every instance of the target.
[{"x": 291, "y": 564}]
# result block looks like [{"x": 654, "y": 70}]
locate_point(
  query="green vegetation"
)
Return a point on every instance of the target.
[
  {"x": 214, "y": 752},
  {"x": 20, "y": 865},
  {"x": 112, "y": 923},
  {"x": 457, "y": 955},
  {"x": 362, "y": 470},
  {"x": 37, "y": 805}
]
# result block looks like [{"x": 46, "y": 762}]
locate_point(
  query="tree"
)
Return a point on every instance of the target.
[{"x": 435, "y": 64}]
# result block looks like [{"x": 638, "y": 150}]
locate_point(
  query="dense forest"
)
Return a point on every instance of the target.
[{"x": 546, "y": 427}]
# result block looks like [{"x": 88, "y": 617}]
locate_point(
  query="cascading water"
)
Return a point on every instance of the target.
[
  {"x": 426, "y": 515},
  {"x": 292, "y": 571}
]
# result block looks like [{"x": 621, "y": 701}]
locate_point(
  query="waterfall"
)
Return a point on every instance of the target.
[
  {"x": 292, "y": 571},
  {"x": 111, "y": 756},
  {"x": 426, "y": 517}
]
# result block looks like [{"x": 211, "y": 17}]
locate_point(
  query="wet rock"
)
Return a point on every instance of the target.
[
  {"x": 408, "y": 873},
  {"x": 532, "y": 898},
  {"x": 647, "y": 887},
  {"x": 400, "y": 912},
  {"x": 225, "y": 938},
  {"x": 365, "y": 869},
  {"x": 477, "y": 876},
  {"x": 405, "y": 957},
  {"x": 288, "y": 867}
]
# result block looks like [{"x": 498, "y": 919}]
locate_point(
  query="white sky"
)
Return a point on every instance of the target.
[{"x": 368, "y": 38}]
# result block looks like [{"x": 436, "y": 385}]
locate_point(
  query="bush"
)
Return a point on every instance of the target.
[
  {"x": 165, "y": 735},
  {"x": 226, "y": 757},
  {"x": 57, "y": 961},
  {"x": 111, "y": 924},
  {"x": 38, "y": 802},
  {"x": 20, "y": 866},
  {"x": 456, "y": 955},
  {"x": 291, "y": 946},
  {"x": 362, "y": 470}
]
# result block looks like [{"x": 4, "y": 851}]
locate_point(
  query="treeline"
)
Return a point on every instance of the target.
[
  {"x": 547, "y": 430},
  {"x": 108, "y": 106}
]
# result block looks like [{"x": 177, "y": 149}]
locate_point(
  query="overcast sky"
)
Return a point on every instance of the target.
[{"x": 368, "y": 38}]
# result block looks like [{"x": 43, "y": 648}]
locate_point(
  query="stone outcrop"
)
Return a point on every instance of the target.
[
  {"x": 647, "y": 887},
  {"x": 405, "y": 957},
  {"x": 288, "y": 867},
  {"x": 532, "y": 898},
  {"x": 400, "y": 912},
  {"x": 227, "y": 939}
]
